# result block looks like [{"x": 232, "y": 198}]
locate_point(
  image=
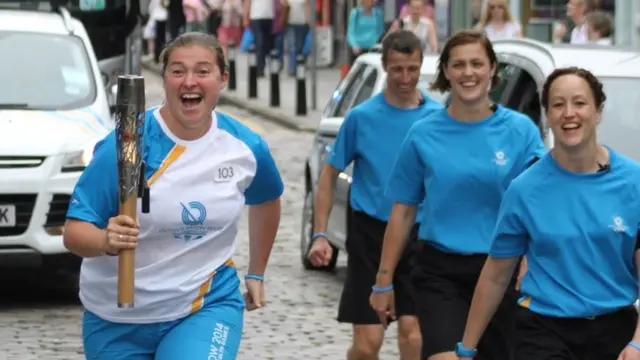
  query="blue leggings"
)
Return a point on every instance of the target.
[{"x": 213, "y": 333}]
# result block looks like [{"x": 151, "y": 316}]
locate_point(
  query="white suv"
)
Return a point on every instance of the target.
[{"x": 53, "y": 110}]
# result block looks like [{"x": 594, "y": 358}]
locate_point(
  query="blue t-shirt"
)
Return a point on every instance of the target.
[
  {"x": 370, "y": 137},
  {"x": 463, "y": 170},
  {"x": 578, "y": 232}
]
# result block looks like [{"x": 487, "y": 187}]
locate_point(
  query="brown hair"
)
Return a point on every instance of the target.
[
  {"x": 464, "y": 37},
  {"x": 595, "y": 85},
  {"x": 195, "y": 39},
  {"x": 403, "y": 41},
  {"x": 601, "y": 22}
]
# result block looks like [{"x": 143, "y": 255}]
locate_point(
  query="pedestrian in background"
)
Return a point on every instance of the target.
[
  {"x": 198, "y": 162},
  {"x": 370, "y": 138},
  {"x": 258, "y": 16},
  {"x": 230, "y": 30},
  {"x": 420, "y": 25},
  {"x": 155, "y": 31},
  {"x": 196, "y": 14},
  {"x": 457, "y": 163},
  {"x": 297, "y": 20},
  {"x": 575, "y": 31},
  {"x": 498, "y": 22},
  {"x": 574, "y": 214},
  {"x": 600, "y": 28},
  {"x": 364, "y": 28}
]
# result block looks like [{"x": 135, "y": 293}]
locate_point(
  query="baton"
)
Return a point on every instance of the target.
[{"x": 129, "y": 115}]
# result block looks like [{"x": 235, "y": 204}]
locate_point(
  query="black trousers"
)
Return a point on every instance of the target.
[{"x": 541, "y": 337}]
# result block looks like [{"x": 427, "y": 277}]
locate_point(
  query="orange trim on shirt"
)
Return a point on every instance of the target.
[
  {"x": 198, "y": 303},
  {"x": 174, "y": 155}
]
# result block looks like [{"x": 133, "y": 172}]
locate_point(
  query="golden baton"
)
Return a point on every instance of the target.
[{"x": 129, "y": 114}]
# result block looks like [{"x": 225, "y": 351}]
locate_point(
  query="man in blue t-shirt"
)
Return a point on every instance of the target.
[{"x": 370, "y": 137}]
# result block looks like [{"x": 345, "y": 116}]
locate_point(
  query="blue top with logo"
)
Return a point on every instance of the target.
[
  {"x": 579, "y": 234},
  {"x": 463, "y": 169},
  {"x": 370, "y": 137}
]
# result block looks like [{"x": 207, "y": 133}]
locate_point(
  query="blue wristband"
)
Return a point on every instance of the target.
[
  {"x": 634, "y": 345},
  {"x": 253, "y": 277},
  {"x": 319, "y": 235},
  {"x": 383, "y": 290}
]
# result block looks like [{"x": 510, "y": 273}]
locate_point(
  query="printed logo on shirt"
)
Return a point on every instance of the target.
[
  {"x": 618, "y": 225},
  {"x": 224, "y": 173},
  {"x": 501, "y": 158},
  {"x": 194, "y": 214}
]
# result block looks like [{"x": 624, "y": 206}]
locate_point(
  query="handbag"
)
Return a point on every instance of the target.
[{"x": 248, "y": 40}]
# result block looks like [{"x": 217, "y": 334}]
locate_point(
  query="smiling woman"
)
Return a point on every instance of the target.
[
  {"x": 57, "y": 68},
  {"x": 203, "y": 167}
]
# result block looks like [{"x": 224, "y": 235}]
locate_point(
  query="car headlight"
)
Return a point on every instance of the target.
[{"x": 77, "y": 160}]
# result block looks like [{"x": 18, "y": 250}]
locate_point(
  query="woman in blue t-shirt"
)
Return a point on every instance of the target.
[
  {"x": 462, "y": 158},
  {"x": 575, "y": 215},
  {"x": 365, "y": 27}
]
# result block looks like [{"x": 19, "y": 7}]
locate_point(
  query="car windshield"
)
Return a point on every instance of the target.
[
  {"x": 620, "y": 126},
  {"x": 44, "y": 72},
  {"x": 425, "y": 82}
]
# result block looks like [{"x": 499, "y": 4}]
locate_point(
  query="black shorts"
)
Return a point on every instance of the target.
[
  {"x": 444, "y": 284},
  {"x": 541, "y": 337},
  {"x": 364, "y": 248}
]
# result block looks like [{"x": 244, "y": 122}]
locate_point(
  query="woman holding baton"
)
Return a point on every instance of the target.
[
  {"x": 459, "y": 161},
  {"x": 203, "y": 167},
  {"x": 575, "y": 215}
]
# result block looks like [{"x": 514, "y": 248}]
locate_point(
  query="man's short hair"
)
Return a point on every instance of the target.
[{"x": 402, "y": 41}]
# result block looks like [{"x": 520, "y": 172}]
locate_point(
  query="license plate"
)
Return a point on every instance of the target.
[{"x": 7, "y": 216}]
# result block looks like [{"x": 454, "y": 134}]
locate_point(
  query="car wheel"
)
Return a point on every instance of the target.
[{"x": 307, "y": 233}]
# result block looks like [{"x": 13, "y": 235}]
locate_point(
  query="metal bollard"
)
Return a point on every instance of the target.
[
  {"x": 231, "y": 55},
  {"x": 274, "y": 65},
  {"x": 129, "y": 115},
  {"x": 301, "y": 86},
  {"x": 253, "y": 74}
]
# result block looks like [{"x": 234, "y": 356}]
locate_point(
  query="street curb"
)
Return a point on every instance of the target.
[{"x": 273, "y": 115}]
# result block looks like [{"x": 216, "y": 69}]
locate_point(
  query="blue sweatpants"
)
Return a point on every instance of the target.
[{"x": 212, "y": 333}]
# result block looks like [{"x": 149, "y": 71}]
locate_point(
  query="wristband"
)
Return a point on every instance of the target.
[
  {"x": 634, "y": 345},
  {"x": 319, "y": 235},
  {"x": 461, "y": 351},
  {"x": 254, "y": 277},
  {"x": 383, "y": 290}
]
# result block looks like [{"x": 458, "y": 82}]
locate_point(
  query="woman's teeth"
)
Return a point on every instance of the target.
[{"x": 469, "y": 84}]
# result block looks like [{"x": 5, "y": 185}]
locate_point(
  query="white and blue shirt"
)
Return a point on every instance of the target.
[
  {"x": 578, "y": 232},
  {"x": 461, "y": 170},
  {"x": 198, "y": 191}
]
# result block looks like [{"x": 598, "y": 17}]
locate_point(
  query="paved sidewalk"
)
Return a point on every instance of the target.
[{"x": 285, "y": 114}]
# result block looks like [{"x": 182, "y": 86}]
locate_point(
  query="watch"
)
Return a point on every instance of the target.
[{"x": 461, "y": 351}]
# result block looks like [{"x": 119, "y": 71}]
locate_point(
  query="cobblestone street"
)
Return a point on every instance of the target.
[{"x": 39, "y": 322}]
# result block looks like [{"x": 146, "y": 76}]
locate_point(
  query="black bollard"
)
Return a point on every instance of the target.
[
  {"x": 253, "y": 74},
  {"x": 274, "y": 72},
  {"x": 301, "y": 87},
  {"x": 231, "y": 53}
]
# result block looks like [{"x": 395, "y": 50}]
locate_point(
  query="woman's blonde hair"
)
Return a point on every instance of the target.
[{"x": 485, "y": 17}]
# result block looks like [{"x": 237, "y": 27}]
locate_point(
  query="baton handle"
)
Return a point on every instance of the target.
[{"x": 127, "y": 261}]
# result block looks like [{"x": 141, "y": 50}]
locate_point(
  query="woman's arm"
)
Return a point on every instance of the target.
[
  {"x": 84, "y": 239},
  {"x": 395, "y": 241},
  {"x": 492, "y": 284},
  {"x": 264, "y": 220},
  {"x": 351, "y": 30}
]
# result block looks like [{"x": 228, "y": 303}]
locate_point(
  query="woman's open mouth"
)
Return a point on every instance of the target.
[{"x": 190, "y": 101}]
